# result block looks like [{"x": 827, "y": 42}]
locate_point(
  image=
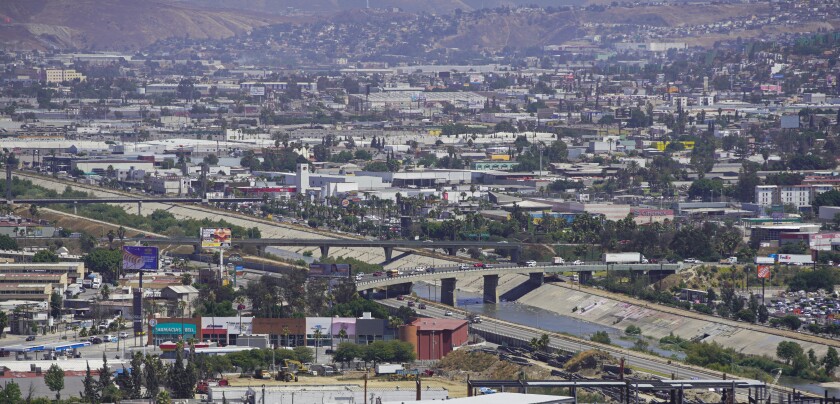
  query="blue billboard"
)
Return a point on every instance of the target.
[{"x": 140, "y": 258}]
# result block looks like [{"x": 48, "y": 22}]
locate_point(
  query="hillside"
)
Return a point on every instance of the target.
[
  {"x": 330, "y": 6},
  {"x": 114, "y": 24}
]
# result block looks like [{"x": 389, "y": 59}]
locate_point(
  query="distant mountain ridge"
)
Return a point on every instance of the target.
[
  {"x": 330, "y": 6},
  {"x": 115, "y": 24}
]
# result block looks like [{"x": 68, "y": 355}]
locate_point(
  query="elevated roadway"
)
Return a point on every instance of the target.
[
  {"x": 139, "y": 200},
  {"x": 449, "y": 276},
  {"x": 324, "y": 245}
]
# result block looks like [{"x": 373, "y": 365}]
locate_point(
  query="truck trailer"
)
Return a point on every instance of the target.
[{"x": 624, "y": 258}]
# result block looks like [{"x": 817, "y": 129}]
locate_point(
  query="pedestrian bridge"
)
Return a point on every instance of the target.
[{"x": 449, "y": 276}]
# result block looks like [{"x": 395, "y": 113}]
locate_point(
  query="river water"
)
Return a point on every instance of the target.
[{"x": 550, "y": 321}]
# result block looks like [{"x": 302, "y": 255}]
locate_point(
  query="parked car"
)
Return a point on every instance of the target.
[
  {"x": 30, "y": 338},
  {"x": 448, "y": 313},
  {"x": 400, "y": 297},
  {"x": 422, "y": 306},
  {"x": 123, "y": 335},
  {"x": 96, "y": 340}
]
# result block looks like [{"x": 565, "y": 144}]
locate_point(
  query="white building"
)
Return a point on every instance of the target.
[{"x": 169, "y": 185}]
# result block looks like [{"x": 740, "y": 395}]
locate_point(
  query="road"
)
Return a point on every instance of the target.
[
  {"x": 378, "y": 279},
  {"x": 267, "y": 228},
  {"x": 643, "y": 362}
]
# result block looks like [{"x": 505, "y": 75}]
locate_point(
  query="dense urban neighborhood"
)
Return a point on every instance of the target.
[{"x": 390, "y": 203}]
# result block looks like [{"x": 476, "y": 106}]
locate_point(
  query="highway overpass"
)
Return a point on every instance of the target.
[
  {"x": 138, "y": 200},
  {"x": 325, "y": 244},
  {"x": 449, "y": 276}
]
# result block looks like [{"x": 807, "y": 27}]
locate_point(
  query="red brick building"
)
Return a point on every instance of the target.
[{"x": 434, "y": 338}]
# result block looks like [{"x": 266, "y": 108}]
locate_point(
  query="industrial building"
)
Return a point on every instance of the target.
[{"x": 434, "y": 338}]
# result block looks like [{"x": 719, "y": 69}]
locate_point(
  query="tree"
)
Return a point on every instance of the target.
[
  {"x": 4, "y": 322},
  {"x": 633, "y": 330},
  {"x": 744, "y": 189},
  {"x": 136, "y": 376},
  {"x": 346, "y": 352},
  {"x": 788, "y": 350},
  {"x": 45, "y": 256},
  {"x": 763, "y": 314},
  {"x": 831, "y": 360},
  {"x": 8, "y": 243},
  {"x": 703, "y": 155},
  {"x": 121, "y": 233},
  {"x": 600, "y": 337},
  {"x": 105, "y": 261},
  {"x": 91, "y": 391},
  {"x": 211, "y": 159},
  {"x": 828, "y": 198},
  {"x": 54, "y": 379},
  {"x": 111, "y": 236},
  {"x": 10, "y": 393},
  {"x": 56, "y": 304}
]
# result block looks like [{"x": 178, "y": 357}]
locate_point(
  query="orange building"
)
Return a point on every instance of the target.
[{"x": 434, "y": 338}]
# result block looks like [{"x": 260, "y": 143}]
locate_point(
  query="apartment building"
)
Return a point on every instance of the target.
[
  {"x": 801, "y": 196},
  {"x": 62, "y": 75}
]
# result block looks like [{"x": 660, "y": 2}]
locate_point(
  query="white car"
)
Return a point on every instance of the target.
[
  {"x": 359, "y": 277},
  {"x": 448, "y": 313},
  {"x": 463, "y": 267},
  {"x": 691, "y": 261},
  {"x": 123, "y": 335},
  {"x": 531, "y": 264},
  {"x": 577, "y": 262}
]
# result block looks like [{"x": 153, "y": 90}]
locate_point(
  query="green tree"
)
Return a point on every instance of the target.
[
  {"x": 4, "y": 322},
  {"x": 136, "y": 376},
  {"x": 54, "y": 379},
  {"x": 600, "y": 337},
  {"x": 346, "y": 352},
  {"x": 788, "y": 350},
  {"x": 828, "y": 198},
  {"x": 8, "y": 243},
  {"x": 831, "y": 360},
  {"x": 105, "y": 261},
  {"x": 45, "y": 256},
  {"x": 91, "y": 392},
  {"x": 56, "y": 305},
  {"x": 11, "y": 393},
  {"x": 703, "y": 155},
  {"x": 633, "y": 330}
]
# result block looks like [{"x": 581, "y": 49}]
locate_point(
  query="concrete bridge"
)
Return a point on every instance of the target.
[
  {"x": 449, "y": 276},
  {"x": 324, "y": 244},
  {"x": 139, "y": 201}
]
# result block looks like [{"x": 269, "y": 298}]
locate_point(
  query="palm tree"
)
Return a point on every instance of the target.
[
  {"x": 111, "y": 235},
  {"x": 121, "y": 233}
]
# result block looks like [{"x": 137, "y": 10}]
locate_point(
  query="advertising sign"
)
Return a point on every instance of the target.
[
  {"x": 329, "y": 270},
  {"x": 764, "y": 271},
  {"x": 211, "y": 238},
  {"x": 257, "y": 91},
  {"x": 174, "y": 328},
  {"x": 140, "y": 258}
]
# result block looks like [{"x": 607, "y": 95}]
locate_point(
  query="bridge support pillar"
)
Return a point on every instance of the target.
[
  {"x": 447, "y": 291},
  {"x": 491, "y": 289},
  {"x": 140, "y": 208},
  {"x": 659, "y": 274},
  {"x": 515, "y": 255},
  {"x": 389, "y": 253},
  {"x": 260, "y": 250},
  {"x": 325, "y": 251},
  {"x": 536, "y": 278},
  {"x": 401, "y": 288},
  {"x": 585, "y": 276},
  {"x": 452, "y": 251}
]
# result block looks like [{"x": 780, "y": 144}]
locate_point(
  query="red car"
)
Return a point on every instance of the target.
[
  {"x": 478, "y": 265},
  {"x": 378, "y": 273},
  {"x": 400, "y": 297}
]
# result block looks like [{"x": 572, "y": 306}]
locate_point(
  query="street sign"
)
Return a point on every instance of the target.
[{"x": 152, "y": 322}]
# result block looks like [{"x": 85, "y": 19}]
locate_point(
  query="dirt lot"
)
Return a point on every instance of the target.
[{"x": 456, "y": 388}]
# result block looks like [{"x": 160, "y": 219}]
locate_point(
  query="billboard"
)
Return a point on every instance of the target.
[
  {"x": 763, "y": 271},
  {"x": 257, "y": 91},
  {"x": 329, "y": 270},
  {"x": 211, "y": 238},
  {"x": 139, "y": 258}
]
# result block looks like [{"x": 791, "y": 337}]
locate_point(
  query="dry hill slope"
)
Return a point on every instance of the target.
[{"x": 114, "y": 24}]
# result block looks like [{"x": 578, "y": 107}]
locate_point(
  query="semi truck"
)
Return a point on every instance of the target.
[
  {"x": 388, "y": 368},
  {"x": 624, "y": 258},
  {"x": 796, "y": 259}
]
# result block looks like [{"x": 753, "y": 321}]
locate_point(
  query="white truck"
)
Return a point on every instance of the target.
[
  {"x": 796, "y": 259},
  {"x": 624, "y": 258},
  {"x": 387, "y": 368},
  {"x": 559, "y": 261}
]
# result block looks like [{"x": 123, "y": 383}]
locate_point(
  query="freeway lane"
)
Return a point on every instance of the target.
[{"x": 648, "y": 363}]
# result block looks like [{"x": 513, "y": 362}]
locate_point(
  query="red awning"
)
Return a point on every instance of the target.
[{"x": 213, "y": 331}]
